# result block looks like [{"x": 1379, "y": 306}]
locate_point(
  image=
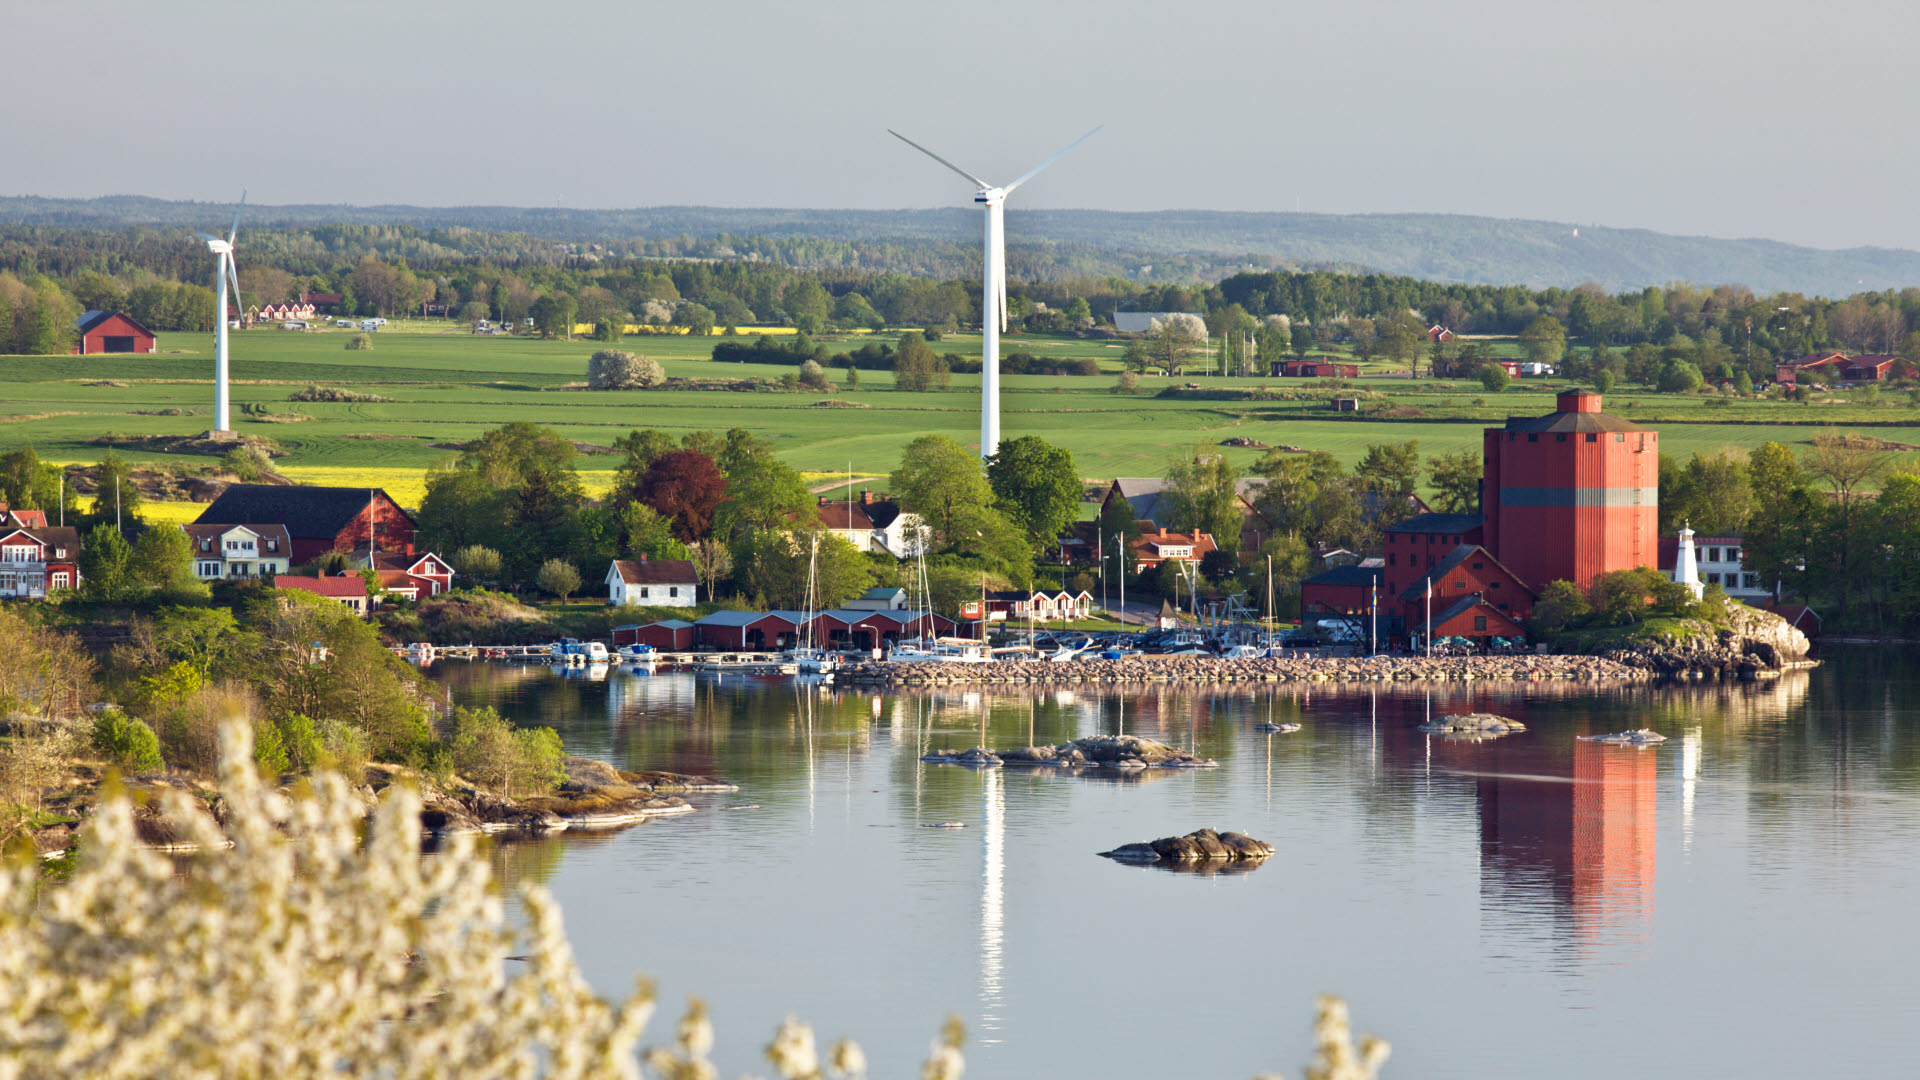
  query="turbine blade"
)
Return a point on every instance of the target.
[
  {"x": 939, "y": 159},
  {"x": 233, "y": 279},
  {"x": 235, "y": 231},
  {"x": 1031, "y": 173}
]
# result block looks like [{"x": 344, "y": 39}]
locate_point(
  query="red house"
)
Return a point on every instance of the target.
[
  {"x": 36, "y": 561},
  {"x": 425, "y": 574},
  {"x": 1467, "y": 573},
  {"x": 112, "y": 332},
  {"x": 318, "y": 519}
]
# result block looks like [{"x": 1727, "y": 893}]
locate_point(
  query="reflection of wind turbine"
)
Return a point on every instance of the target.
[
  {"x": 992, "y": 903},
  {"x": 993, "y": 286},
  {"x": 225, "y": 274}
]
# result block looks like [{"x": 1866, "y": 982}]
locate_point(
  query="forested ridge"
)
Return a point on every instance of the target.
[{"x": 1050, "y": 245}]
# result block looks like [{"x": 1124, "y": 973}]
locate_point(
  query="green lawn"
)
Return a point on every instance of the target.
[{"x": 449, "y": 387}]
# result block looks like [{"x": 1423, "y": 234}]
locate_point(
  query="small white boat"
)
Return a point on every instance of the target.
[{"x": 941, "y": 650}]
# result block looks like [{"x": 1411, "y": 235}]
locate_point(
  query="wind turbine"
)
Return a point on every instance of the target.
[
  {"x": 225, "y": 275},
  {"x": 993, "y": 289}
]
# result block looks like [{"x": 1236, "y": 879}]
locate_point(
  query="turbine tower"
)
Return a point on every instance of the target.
[
  {"x": 225, "y": 275},
  {"x": 993, "y": 285}
]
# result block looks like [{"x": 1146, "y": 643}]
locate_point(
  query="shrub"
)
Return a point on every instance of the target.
[
  {"x": 558, "y": 577},
  {"x": 269, "y": 749},
  {"x": 488, "y": 751},
  {"x": 333, "y": 394},
  {"x": 1128, "y": 383},
  {"x": 615, "y": 369},
  {"x": 813, "y": 376},
  {"x": 126, "y": 742},
  {"x": 248, "y": 462},
  {"x": 478, "y": 562},
  {"x": 1494, "y": 378},
  {"x": 301, "y": 739},
  {"x": 360, "y": 343}
]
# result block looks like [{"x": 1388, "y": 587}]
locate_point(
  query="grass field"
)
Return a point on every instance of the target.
[{"x": 447, "y": 388}]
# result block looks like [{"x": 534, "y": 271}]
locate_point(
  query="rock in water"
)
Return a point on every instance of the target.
[
  {"x": 1482, "y": 724},
  {"x": 1283, "y": 729},
  {"x": 1198, "y": 849},
  {"x": 1637, "y": 737}
]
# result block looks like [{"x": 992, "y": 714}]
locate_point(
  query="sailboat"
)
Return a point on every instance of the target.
[
  {"x": 926, "y": 647},
  {"x": 808, "y": 657}
]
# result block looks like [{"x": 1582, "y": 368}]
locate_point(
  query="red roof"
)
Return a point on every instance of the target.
[{"x": 323, "y": 586}]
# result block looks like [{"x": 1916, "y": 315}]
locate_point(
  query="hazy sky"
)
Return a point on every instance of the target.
[{"x": 1757, "y": 118}]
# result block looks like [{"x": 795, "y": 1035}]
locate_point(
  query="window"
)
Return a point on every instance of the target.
[
  {"x": 1493, "y": 585},
  {"x": 1393, "y": 559},
  {"x": 1752, "y": 581},
  {"x": 205, "y": 544},
  {"x": 1713, "y": 554},
  {"x": 1733, "y": 554},
  {"x": 1533, "y": 437},
  {"x": 643, "y": 592},
  {"x": 673, "y": 590},
  {"x": 273, "y": 545},
  {"x": 1713, "y": 579},
  {"x": 1479, "y": 566},
  {"x": 1591, "y": 437},
  {"x": 59, "y": 579},
  {"x": 1561, "y": 437},
  {"x": 1479, "y": 622},
  {"x": 1619, "y": 438}
]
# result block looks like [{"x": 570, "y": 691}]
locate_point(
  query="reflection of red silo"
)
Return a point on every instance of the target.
[
  {"x": 1615, "y": 799},
  {"x": 1571, "y": 495}
]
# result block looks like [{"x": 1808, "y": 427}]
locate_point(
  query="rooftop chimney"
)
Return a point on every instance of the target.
[{"x": 866, "y": 497}]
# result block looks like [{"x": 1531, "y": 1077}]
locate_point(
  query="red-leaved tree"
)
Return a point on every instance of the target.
[{"x": 687, "y": 486}]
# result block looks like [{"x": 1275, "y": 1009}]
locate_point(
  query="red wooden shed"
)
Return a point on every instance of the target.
[{"x": 112, "y": 332}]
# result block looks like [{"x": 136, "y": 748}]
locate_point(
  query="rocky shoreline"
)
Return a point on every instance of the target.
[
  {"x": 594, "y": 796},
  {"x": 1200, "y": 669}
]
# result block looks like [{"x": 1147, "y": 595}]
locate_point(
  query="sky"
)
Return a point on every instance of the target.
[{"x": 1697, "y": 117}]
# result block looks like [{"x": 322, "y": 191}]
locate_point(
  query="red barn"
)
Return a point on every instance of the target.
[
  {"x": 1314, "y": 369},
  {"x": 112, "y": 332},
  {"x": 318, "y": 519},
  {"x": 1571, "y": 495}
]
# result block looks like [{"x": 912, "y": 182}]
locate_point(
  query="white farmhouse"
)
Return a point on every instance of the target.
[
  {"x": 238, "y": 551},
  {"x": 652, "y": 583}
]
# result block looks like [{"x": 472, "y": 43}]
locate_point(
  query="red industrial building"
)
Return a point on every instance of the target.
[
  {"x": 112, "y": 332},
  {"x": 1571, "y": 495},
  {"x": 1566, "y": 496}
]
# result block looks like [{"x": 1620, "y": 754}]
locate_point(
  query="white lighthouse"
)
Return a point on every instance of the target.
[{"x": 1686, "y": 565}]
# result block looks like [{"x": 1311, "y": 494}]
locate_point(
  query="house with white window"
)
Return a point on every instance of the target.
[
  {"x": 1040, "y": 605},
  {"x": 873, "y": 524},
  {"x": 411, "y": 576},
  {"x": 1720, "y": 563},
  {"x": 237, "y": 552},
  {"x": 647, "y": 582},
  {"x": 36, "y": 561}
]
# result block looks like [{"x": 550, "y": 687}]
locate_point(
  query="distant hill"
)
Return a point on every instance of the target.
[{"x": 1156, "y": 245}]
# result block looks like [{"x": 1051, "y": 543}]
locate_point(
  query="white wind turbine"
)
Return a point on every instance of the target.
[
  {"x": 225, "y": 275},
  {"x": 993, "y": 290}
]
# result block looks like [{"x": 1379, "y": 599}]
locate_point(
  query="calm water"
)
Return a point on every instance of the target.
[{"x": 1739, "y": 901}]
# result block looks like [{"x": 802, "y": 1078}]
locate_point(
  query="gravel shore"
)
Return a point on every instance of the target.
[{"x": 1196, "y": 669}]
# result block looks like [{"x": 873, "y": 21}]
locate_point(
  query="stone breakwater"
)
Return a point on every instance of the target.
[{"x": 1201, "y": 669}]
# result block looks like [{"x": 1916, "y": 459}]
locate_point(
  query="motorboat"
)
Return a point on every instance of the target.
[
  {"x": 574, "y": 651},
  {"x": 941, "y": 650}
]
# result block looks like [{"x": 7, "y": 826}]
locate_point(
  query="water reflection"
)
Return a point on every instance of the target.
[{"x": 1532, "y": 861}]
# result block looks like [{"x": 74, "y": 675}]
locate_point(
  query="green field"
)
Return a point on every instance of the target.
[{"x": 449, "y": 387}]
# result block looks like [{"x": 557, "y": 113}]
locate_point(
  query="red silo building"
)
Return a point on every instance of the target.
[{"x": 1571, "y": 495}]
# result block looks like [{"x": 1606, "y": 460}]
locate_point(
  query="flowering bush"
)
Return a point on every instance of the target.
[{"x": 306, "y": 952}]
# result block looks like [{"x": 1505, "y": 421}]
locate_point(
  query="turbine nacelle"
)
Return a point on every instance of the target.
[{"x": 990, "y": 196}]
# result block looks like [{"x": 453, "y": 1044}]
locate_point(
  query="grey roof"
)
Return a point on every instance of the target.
[
  {"x": 1465, "y": 603},
  {"x": 671, "y": 624},
  {"x": 1144, "y": 493},
  {"x": 882, "y": 592},
  {"x": 1350, "y": 574},
  {"x": 309, "y": 513},
  {"x": 730, "y": 618},
  {"x": 1437, "y": 523}
]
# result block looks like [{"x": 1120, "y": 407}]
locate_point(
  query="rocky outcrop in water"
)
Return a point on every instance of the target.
[
  {"x": 1474, "y": 725},
  {"x": 1194, "y": 849},
  {"x": 1637, "y": 737},
  {"x": 1123, "y": 752},
  {"x": 1753, "y": 645}
]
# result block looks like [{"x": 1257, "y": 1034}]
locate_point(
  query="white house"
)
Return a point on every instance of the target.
[
  {"x": 652, "y": 582},
  {"x": 1717, "y": 562},
  {"x": 879, "y": 598},
  {"x": 873, "y": 524},
  {"x": 238, "y": 551}
]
